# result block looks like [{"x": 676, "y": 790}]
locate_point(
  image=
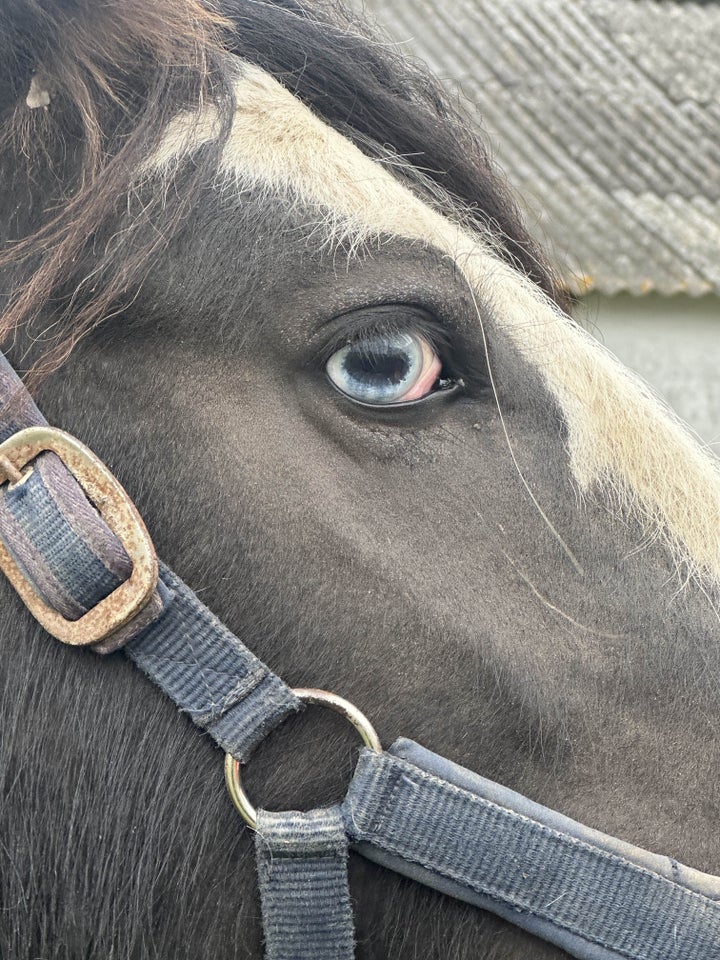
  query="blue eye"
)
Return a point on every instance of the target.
[{"x": 385, "y": 368}]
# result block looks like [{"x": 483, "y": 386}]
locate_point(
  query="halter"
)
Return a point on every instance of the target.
[{"x": 76, "y": 550}]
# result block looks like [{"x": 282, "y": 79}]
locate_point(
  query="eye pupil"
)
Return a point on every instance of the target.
[{"x": 392, "y": 366}]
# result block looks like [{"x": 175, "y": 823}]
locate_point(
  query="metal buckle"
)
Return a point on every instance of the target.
[
  {"x": 117, "y": 510},
  {"x": 320, "y": 698}
]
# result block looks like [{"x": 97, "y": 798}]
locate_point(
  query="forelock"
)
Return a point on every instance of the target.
[{"x": 118, "y": 96}]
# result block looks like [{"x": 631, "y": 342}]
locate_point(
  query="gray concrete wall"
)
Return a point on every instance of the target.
[{"x": 674, "y": 342}]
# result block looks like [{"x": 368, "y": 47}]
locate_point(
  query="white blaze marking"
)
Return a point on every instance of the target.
[{"x": 621, "y": 437}]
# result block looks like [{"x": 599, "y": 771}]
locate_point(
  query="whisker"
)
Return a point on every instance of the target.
[{"x": 548, "y": 523}]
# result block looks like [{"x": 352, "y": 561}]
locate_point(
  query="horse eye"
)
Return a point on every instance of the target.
[{"x": 384, "y": 368}]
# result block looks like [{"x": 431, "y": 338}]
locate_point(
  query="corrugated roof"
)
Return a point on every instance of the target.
[{"x": 604, "y": 114}]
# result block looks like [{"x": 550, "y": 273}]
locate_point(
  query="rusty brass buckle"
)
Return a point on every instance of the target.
[{"x": 117, "y": 510}]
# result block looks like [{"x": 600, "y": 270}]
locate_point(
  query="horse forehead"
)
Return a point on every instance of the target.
[{"x": 620, "y": 437}]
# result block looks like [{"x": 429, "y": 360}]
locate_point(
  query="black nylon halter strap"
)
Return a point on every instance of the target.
[
  {"x": 408, "y": 809},
  {"x": 594, "y": 896},
  {"x": 69, "y": 558}
]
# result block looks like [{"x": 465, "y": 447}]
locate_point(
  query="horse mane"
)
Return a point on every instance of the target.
[{"x": 115, "y": 75}]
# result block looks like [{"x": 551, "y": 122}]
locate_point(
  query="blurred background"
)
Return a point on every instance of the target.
[{"x": 605, "y": 117}]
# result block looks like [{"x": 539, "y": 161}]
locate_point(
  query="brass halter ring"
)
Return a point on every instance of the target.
[{"x": 318, "y": 698}]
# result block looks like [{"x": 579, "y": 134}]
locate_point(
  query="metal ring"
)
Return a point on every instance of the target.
[{"x": 320, "y": 698}]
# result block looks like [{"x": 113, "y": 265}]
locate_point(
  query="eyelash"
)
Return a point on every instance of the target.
[{"x": 354, "y": 331}]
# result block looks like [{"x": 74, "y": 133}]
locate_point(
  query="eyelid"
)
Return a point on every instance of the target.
[
  {"x": 384, "y": 319},
  {"x": 383, "y": 410}
]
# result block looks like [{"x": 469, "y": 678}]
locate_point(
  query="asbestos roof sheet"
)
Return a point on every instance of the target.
[{"x": 605, "y": 116}]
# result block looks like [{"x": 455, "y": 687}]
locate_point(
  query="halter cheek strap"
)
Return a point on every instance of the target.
[
  {"x": 74, "y": 547},
  {"x": 63, "y": 555}
]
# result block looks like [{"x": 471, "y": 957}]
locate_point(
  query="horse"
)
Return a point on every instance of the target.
[{"x": 265, "y": 268}]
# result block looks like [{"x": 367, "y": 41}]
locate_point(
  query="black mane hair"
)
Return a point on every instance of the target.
[{"x": 117, "y": 73}]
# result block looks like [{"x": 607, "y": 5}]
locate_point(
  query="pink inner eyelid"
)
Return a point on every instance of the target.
[{"x": 432, "y": 367}]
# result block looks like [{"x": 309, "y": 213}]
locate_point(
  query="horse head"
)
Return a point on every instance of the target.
[{"x": 263, "y": 267}]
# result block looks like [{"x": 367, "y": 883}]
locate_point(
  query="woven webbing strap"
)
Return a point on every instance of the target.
[
  {"x": 73, "y": 560},
  {"x": 302, "y": 870},
  {"x": 594, "y": 896}
]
